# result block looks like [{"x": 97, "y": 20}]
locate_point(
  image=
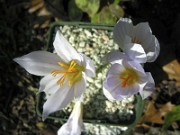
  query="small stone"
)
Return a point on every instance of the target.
[
  {"x": 108, "y": 104},
  {"x": 89, "y": 79},
  {"x": 98, "y": 85},
  {"x": 80, "y": 50},
  {"x": 82, "y": 44},
  {"x": 88, "y": 34}
]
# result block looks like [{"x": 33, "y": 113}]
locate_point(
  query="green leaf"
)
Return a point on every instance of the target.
[
  {"x": 108, "y": 15},
  {"x": 88, "y": 6},
  {"x": 74, "y": 12},
  {"x": 171, "y": 117},
  {"x": 116, "y": 10},
  {"x": 104, "y": 17},
  {"x": 139, "y": 107},
  {"x": 116, "y": 1}
]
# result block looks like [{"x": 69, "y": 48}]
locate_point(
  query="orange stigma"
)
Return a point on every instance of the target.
[
  {"x": 72, "y": 71},
  {"x": 128, "y": 77}
]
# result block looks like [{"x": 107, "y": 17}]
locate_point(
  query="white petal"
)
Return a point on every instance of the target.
[
  {"x": 89, "y": 65},
  {"x": 123, "y": 27},
  {"x": 148, "y": 88},
  {"x": 108, "y": 94},
  {"x": 115, "y": 69},
  {"x": 135, "y": 52},
  {"x": 58, "y": 100},
  {"x": 153, "y": 52},
  {"x": 74, "y": 124},
  {"x": 80, "y": 87},
  {"x": 115, "y": 92},
  {"x": 44, "y": 81},
  {"x": 112, "y": 81},
  {"x": 148, "y": 41},
  {"x": 142, "y": 31},
  {"x": 39, "y": 62},
  {"x": 109, "y": 89},
  {"x": 64, "y": 49},
  {"x": 137, "y": 66},
  {"x": 71, "y": 128},
  {"x": 126, "y": 92},
  {"x": 115, "y": 57},
  {"x": 65, "y": 129},
  {"x": 51, "y": 87}
]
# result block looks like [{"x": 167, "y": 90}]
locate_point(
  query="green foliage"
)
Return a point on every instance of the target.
[
  {"x": 107, "y": 15},
  {"x": 74, "y": 12},
  {"x": 88, "y": 6},
  {"x": 139, "y": 107},
  {"x": 171, "y": 117},
  {"x": 104, "y": 16},
  {"x": 116, "y": 1},
  {"x": 116, "y": 11}
]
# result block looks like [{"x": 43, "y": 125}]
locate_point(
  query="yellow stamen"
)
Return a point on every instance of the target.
[
  {"x": 72, "y": 71},
  {"x": 128, "y": 77},
  {"x": 135, "y": 40}
]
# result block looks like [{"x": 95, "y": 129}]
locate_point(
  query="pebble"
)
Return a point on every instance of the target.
[
  {"x": 88, "y": 34},
  {"x": 108, "y": 104}
]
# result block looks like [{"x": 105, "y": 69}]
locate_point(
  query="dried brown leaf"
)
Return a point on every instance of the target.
[
  {"x": 155, "y": 114},
  {"x": 36, "y": 7},
  {"x": 44, "y": 12},
  {"x": 45, "y": 24},
  {"x": 173, "y": 71},
  {"x": 36, "y": 2}
]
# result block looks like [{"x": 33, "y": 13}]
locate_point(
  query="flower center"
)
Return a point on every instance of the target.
[
  {"x": 135, "y": 40},
  {"x": 128, "y": 77},
  {"x": 72, "y": 71}
]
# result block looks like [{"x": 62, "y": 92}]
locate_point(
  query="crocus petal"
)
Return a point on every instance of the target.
[
  {"x": 64, "y": 49},
  {"x": 108, "y": 95},
  {"x": 115, "y": 92},
  {"x": 89, "y": 65},
  {"x": 135, "y": 52},
  {"x": 46, "y": 80},
  {"x": 51, "y": 87},
  {"x": 137, "y": 66},
  {"x": 80, "y": 87},
  {"x": 115, "y": 57},
  {"x": 74, "y": 124},
  {"x": 148, "y": 88},
  {"x": 115, "y": 69},
  {"x": 154, "y": 50},
  {"x": 108, "y": 88},
  {"x": 39, "y": 63},
  {"x": 142, "y": 31},
  {"x": 112, "y": 81},
  {"x": 149, "y": 42},
  {"x": 58, "y": 100},
  {"x": 123, "y": 27},
  {"x": 125, "y": 92}
]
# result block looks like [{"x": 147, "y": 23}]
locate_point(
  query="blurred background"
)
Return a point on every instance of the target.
[{"x": 24, "y": 26}]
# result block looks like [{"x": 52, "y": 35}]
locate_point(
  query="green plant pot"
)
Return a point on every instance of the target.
[{"x": 138, "y": 103}]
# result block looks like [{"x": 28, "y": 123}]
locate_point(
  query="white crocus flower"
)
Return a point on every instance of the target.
[
  {"x": 74, "y": 124},
  {"x": 136, "y": 41},
  {"x": 126, "y": 78},
  {"x": 64, "y": 73}
]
